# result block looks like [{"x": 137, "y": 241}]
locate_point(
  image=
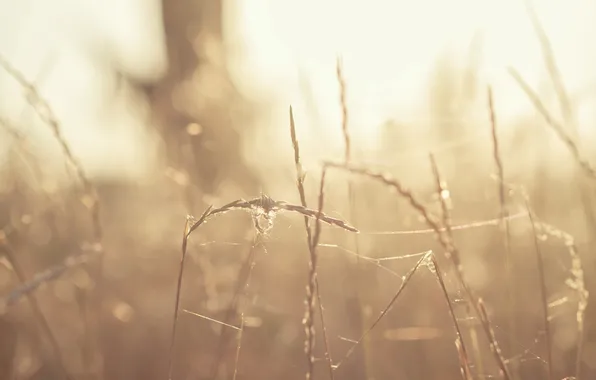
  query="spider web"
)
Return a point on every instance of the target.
[{"x": 263, "y": 221}]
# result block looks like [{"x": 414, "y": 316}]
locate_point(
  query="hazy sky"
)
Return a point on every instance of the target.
[
  {"x": 278, "y": 49},
  {"x": 71, "y": 49},
  {"x": 389, "y": 48}
]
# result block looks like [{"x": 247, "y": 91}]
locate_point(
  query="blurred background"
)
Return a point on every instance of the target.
[{"x": 171, "y": 106}]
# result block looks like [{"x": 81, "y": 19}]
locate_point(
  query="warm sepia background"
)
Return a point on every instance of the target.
[{"x": 172, "y": 106}]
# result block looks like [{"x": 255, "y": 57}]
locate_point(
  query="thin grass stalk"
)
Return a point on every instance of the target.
[
  {"x": 504, "y": 222},
  {"x": 28, "y": 287},
  {"x": 90, "y": 199},
  {"x": 555, "y": 125},
  {"x": 240, "y": 290},
  {"x": 237, "y": 360},
  {"x": 576, "y": 282},
  {"x": 37, "y": 312},
  {"x": 46, "y": 114},
  {"x": 543, "y": 294},
  {"x": 492, "y": 340},
  {"x": 309, "y": 324},
  {"x": 300, "y": 176},
  {"x": 552, "y": 68},
  {"x": 353, "y": 214},
  {"x": 187, "y": 230},
  {"x": 447, "y": 227},
  {"x": 443, "y": 194},
  {"x": 447, "y": 243},
  {"x": 190, "y": 226},
  {"x": 261, "y": 207},
  {"x": 499, "y": 166},
  {"x": 344, "y": 111},
  {"x": 398, "y": 293},
  {"x": 567, "y": 114},
  {"x": 459, "y": 342}
]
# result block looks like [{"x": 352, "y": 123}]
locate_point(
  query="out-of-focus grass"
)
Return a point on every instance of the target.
[{"x": 441, "y": 291}]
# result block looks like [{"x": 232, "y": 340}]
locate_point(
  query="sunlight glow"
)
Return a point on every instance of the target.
[
  {"x": 285, "y": 52},
  {"x": 73, "y": 52}
]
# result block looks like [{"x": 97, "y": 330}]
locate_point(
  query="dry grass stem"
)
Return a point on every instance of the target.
[
  {"x": 447, "y": 243},
  {"x": 309, "y": 317},
  {"x": 443, "y": 194},
  {"x": 543, "y": 294},
  {"x": 497, "y": 157},
  {"x": 263, "y": 210},
  {"x": 551, "y": 66},
  {"x": 46, "y": 114},
  {"x": 402, "y": 286},
  {"x": 387, "y": 180},
  {"x": 300, "y": 176},
  {"x": 459, "y": 342},
  {"x": 90, "y": 197},
  {"x": 344, "y": 111},
  {"x": 555, "y": 125},
  {"x": 238, "y": 347},
  {"x": 26, "y": 289},
  {"x": 463, "y": 358},
  {"x": 353, "y": 214},
  {"x": 503, "y": 214},
  {"x": 568, "y": 118},
  {"x": 576, "y": 282},
  {"x": 567, "y": 111},
  {"x": 199, "y": 147},
  {"x": 494, "y": 347},
  {"x": 188, "y": 229},
  {"x": 240, "y": 290}
]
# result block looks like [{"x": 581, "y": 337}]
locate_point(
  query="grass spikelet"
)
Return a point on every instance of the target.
[
  {"x": 443, "y": 194},
  {"x": 300, "y": 176},
  {"x": 492, "y": 340},
  {"x": 344, "y": 111},
  {"x": 263, "y": 211},
  {"x": 45, "y": 112},
  {"x": 576, "y": 282},
  {"x": 90, "y": 197}
]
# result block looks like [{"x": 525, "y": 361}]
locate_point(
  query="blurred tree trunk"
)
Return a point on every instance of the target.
[{"x": 199, "y": 133}]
